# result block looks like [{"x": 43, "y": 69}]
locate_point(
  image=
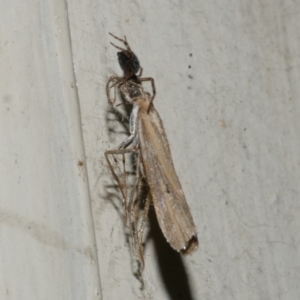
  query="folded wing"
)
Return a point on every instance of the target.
[{"x": 171, "y": 208}]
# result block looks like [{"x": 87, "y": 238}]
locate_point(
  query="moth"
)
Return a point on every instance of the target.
[{"x": 154, "y": 165}]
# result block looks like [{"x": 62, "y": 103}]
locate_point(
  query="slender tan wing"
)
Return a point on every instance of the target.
[{"x": 171, "y": 208}]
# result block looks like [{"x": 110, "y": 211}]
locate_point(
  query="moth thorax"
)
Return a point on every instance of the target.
[{"x": 131, "y": 90}]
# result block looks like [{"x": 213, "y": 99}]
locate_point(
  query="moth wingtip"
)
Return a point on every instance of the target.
[{"x": 191, "y": 246}]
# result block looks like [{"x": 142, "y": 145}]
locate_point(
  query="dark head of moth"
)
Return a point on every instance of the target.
[
  {"x": 128, "y": 61},
  {"x": 132, "y": 71}
]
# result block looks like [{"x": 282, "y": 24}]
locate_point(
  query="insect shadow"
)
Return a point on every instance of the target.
[{"x": 170, "y": 263}]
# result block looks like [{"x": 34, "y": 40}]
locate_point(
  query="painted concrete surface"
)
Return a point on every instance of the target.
[
  {"x": 227, "y": 76},
  {"x": 47, "y": 239}
]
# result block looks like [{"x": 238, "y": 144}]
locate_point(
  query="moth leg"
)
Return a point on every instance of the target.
[
  {"x": 131, "y": 204},
  {"x": 122, "y": 186},
  {"x": 153, "y": 89},
  {"x": 134, "y": 208},
  {"x": 125, "y": 187},
  {"x": 127, "y": 141},
  {"x": 113, "y": 79},
  {"x": 132, "y": 129},
  {"x": 152, "y": 85},
  {"x": 121, "y": 148},
  {"x": 140, "y": 72}
]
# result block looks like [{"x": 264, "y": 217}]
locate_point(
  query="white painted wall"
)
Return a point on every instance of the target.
[
  {"x": 233, "y": 124},
  {"x": 47, "y": 239}
]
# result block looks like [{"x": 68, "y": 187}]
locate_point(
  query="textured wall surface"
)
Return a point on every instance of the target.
[
  {"x": 47, "y": 238},
  {"x": 227, "y": 75}
]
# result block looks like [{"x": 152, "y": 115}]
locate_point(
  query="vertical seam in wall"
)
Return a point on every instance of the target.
[{"x": 81, "y": 137}]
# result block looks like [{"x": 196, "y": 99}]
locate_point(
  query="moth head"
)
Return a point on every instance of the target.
[{"x": 128, "y": 61}]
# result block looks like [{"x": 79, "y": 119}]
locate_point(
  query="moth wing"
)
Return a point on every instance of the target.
[{"x": 171, "y": 208}]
